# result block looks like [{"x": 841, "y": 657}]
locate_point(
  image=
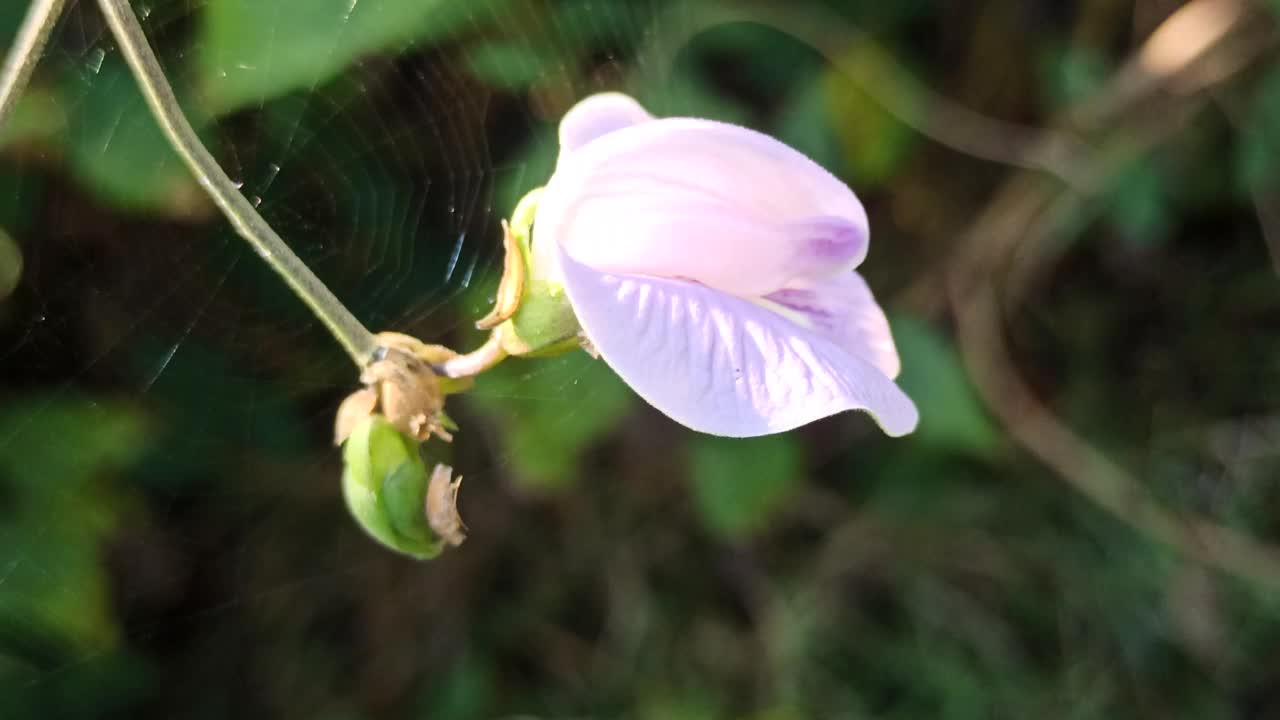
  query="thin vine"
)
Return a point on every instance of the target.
[{"x": 354, "y": 337}]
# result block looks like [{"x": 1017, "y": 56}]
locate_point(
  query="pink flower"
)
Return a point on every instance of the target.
[{"x": 712, "y": 267}]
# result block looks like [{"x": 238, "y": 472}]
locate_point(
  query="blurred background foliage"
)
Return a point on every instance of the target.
[{"x": 173, "y": 541}]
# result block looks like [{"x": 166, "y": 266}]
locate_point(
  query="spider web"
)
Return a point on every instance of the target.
[
  {"x": 177, "y": 528},
  {"x": 172, "y": 533},
  {"x": 210, "y": 389}
]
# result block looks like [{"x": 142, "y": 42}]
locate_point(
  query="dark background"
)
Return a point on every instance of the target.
[{"x": 1076, "y": 242}]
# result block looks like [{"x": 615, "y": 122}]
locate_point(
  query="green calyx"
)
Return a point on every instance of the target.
[{"x": 543, "y": 323}]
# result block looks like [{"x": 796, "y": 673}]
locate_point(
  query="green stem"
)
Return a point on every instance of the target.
[
  {"x": 359, "y": 343},
  {"x": 25, "y": 53}
]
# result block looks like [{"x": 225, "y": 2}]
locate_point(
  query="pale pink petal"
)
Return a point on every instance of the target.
[
  {"x": 598, "y": 115},
  {"x": 721, "y": 364},
  {"x": 843, "y": 310},
  {"x": 726, "y": 206}
]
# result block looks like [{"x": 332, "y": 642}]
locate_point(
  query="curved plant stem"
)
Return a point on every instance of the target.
[
  {"x": 1104, "y": 481},
  {"x": 477, "y": 361},
  {"x": 874, "y": 71},
  {"x": 25, "y": 53},
  {"x": 359, "y": 343}
]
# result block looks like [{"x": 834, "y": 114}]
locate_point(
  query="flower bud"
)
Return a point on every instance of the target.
[{"x": 385, "y": 485}]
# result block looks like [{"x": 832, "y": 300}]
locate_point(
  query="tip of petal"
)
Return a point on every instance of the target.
[
  {"x": 829, "y": 244},
  {"x": 900, "y": 425},
  {"x": 599, "y": 115}
]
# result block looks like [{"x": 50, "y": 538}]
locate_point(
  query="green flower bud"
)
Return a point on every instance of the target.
[{"x": 385, "y": 484}]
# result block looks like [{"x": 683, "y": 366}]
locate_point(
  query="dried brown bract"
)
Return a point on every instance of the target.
[
  {"x": 510, "y": 287},
  {"x": 409, "y": 394},
  {"x": 358, "y": 406},
  {"x": 442, "y": 506},
  {"x": 402, "y": 385}
]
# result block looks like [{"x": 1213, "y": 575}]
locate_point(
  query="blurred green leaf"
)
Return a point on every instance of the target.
[
  {"x": 883, "y": 17},
  {"x": 875, "y": 141},
  {"x": 112, "y": 684},
  {"x": 551, "y": 411},
  {"x": 1072, "y": 73},
  {"x": 806, "y": 126},
  {"x": 687, "y": 93},
  {"x": 782, "y": 712},
  {"x": 951, "y": 415},
  {"x": 37, "y": 116},
  {"x": 466, "y": 691},
  {"x": 1257, "y": 159},
  {"x": 117, "y": 150},
  {"x": 693, "y": 704},
  {"x": 1139, "y": 204},
  {"x": 56, "y": 511},
  {"x": 509, "y": 65},
  {"x": 769, "y": 60},
  {"x": 20, "y": 201},
  {"x": 738, "y": 483},
  {"x": 533, "y": 167},
  {"x": 590, "y": 24},
  {"x": 10, "y": 15},
  {"x": 930, "y": 484},
  {"x": 200, "y": 444},
  {"x": 251, "y": 51}
]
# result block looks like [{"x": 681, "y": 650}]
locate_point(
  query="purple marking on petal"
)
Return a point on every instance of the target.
[
  {"x": 721, "y": 364},
  {"x": 843, "y": 310},
  {"x": 805, "y": 303},
  {"x": 831, "y": 244}
]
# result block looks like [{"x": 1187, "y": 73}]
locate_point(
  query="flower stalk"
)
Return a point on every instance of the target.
[
  {"x": 354, "y": 337},
  {"x": 725, "y": 294},
  {"x": 477, "y": 361},
  {"x": 25, "y": 53}
]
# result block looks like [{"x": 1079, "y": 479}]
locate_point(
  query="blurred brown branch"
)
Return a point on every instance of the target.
[
  {"x": 1149, "y": 100},
  {"x": 1200, "y": 45},
  {"x": 1056, "y": 152}
]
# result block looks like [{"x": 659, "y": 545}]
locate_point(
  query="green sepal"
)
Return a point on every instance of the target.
[
  {"x": 544, "y": 324},
  {"x": 384, "y": 482}
]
